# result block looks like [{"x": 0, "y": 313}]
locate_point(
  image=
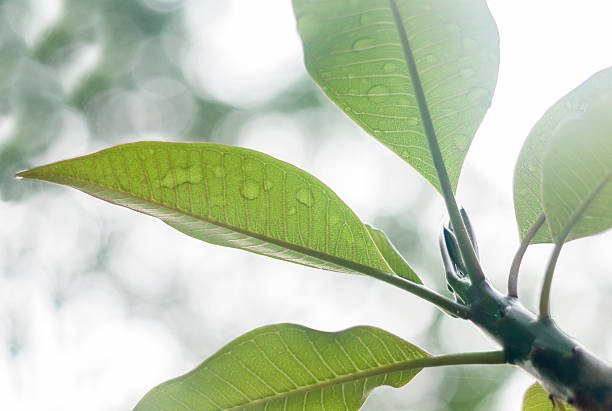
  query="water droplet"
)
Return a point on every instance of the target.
[
  {"x": 453, "y": 28},
  {"x": 304, "y": 196},
  {"x": 469, "y": 43},
  {"x": 363, "y": 43},
  {"x": 542, "y": 139},
  {"x": 405, "y": 155},
  {"x": 479, "y": 97},
  {"x": 378, "y": 91},
  {"x": 390, "y": 67},
  {"x": 168, "y": 180},
  {"x": 218, "y": 171},
  {"x": 431, "y": 59},
  {"x": 309, "y": 27},
  {"x": 268, "y": 184},
  {"x": 291, "y": 211},
  {"x": 145, "y": 153},
  {"x": 462, "y": 142},
  {"x": 347, "y": 109},
  {"x": 467, "y": 72},
  {"x": 195, "y": 174},
  {"x": 531, "y": 168},
  {"x": 365, "y": 18},
  {"x": 250, "y": 191}
]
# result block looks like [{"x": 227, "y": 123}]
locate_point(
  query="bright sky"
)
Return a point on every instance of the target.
[{"x": 244, "y": 51}]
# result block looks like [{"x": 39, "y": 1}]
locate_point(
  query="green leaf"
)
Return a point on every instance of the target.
[
  {"x": 228, "y": 196},
  {"x": 528, "y": 177},
  {"x": 577, "y": 174},
  {"x": 360, "y": 54},
  {"x": 291, "y": 367},
  {"x": 392, "y": 256},
  {"x": 537, "y": 399}
]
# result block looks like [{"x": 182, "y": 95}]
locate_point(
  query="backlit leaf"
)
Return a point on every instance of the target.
[
  {"x": 290, "y": 367},
  {"x": 360, "y": 52},
  {"x": 392, "y": 256},
  {"x": 228, "y": 196},
  {"x": 528, "y": 177},
  {"x": 577, "y": 174}
]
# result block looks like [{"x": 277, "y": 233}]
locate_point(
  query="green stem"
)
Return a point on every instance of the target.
[
  {"x": 520, "y": 253},
  {"x": 548, "y": 277},
  {"x": 419, "y": 290},
  {"x": 467, "y": 250},
  {"x": 560, "y": 240},
  {"x": 477, "y": 358}
]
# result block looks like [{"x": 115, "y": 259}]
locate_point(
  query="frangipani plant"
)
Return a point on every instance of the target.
[{"x": 419, "y": 77}]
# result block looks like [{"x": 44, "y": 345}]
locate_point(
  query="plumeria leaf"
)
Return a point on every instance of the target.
[{"x": 361, "y": 53}]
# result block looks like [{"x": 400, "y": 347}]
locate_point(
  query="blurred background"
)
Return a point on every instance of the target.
[{"x": 98, "y": 304}]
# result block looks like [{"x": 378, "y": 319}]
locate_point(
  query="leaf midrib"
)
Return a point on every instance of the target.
[
  {"x": 583, "y": 207},
  {"x": 355, "y": 267},
  {"x": 386, "y": 369}
]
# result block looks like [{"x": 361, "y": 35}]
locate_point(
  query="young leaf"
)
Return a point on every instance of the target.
[
  {"x": 228, "y": 196},
  {"x": 392, "y": 256},
  {"x": 528, "y": 177},
  {"x": 373, "y": 57},
  {"x": 537, "y": 399},
  {"x": 577, "y": 174},
  {"x": 287, "y": 366}
]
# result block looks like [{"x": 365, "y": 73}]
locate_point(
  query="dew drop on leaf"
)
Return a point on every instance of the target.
[
  {"x": 365, "y": 18},
  {"x": 390, "y": 67},
  {"x": 469, "y": 43},
  {"x": 309, "y": 26},
  {"x": 218, "y": 171},
  {"x": 452, "y": 28},
  {"x": 462, "y": 142},
  {"x": 250, "y": 191},
  {"x": 304, "y": 196},
  {"x": 195, "y": 174},
  {"x": 431, "y": 59},
  {"x": 268, "y": 184},
  {"x": 479, "y": 97},
  {"x": 467, "y": 72},
  {"x": 363, "y": 43},
  {"x": 378, "y": 91}
]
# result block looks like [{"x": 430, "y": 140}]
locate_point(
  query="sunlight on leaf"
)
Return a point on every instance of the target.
[
  {"x": 577, "y": 174},
  {"x": 392, "y": 256},
  {"x": 228, "y": 196},
  {"x": 528, "y": 177},
  {"x": 360, "y": 55},
  {"x": 287, "y": 366}
]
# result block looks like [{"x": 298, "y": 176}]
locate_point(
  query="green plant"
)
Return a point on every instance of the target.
[{"x": 419, "y": 77}]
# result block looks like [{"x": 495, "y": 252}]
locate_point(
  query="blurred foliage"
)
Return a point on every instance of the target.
[{"x": 115, "y": 66}]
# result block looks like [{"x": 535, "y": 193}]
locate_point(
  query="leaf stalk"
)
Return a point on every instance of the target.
[
  {"x": 520, "y": 253},
  {"x": 473, "y": 265}
]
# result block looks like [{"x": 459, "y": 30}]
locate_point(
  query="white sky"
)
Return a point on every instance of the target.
[{"x": 251, "y": 50}]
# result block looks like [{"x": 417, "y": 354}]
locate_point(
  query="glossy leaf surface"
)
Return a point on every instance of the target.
[
  {"x": 228, "y": 196},
  {"x": 392, "y": 256},
  {"x": 360, "y": 52},
  {"x": 563, "y": 115},
  {"x": 537, "y": 399},
  {"x": 289, "y": 367}
]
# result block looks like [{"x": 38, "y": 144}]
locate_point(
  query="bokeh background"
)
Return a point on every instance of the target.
[{"x": 98, "y": 304}]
